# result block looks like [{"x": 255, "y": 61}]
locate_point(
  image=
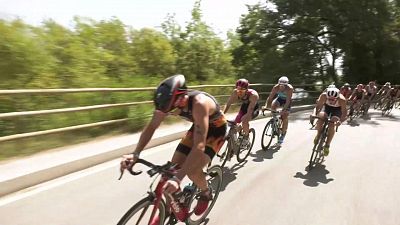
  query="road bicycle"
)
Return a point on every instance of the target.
[
  {"x": 181, "y": 204},
  {"x": 317, "y": 154},
  {"x": 235, "y": 144},
  {"x": 359, "y": 111},
  {"x": 387, "y": 107},
  {"x": 273, "y": 129},
  {"x": 379, "y": 102}
]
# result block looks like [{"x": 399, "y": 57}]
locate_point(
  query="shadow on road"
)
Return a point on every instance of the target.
[
  {"x": 261, "y": 155},
  {"x": 230, "y": 174},
  {"x": 206, "y": 220},
  {"x": 314, "y": 177}
]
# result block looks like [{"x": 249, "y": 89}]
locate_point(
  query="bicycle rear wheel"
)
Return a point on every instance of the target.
[
  {"x": 267, "y": 135},
  {"x": 140, "y": 213},
  {"x": 214, "y": 179},
  {"x": 243, "y": 153}
]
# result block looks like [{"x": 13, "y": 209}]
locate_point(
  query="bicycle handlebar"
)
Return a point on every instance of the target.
[
  {"x": 326, "y": 119},
  {"x": 165, "y": 169},
  {"x": 272, "y": 111}
]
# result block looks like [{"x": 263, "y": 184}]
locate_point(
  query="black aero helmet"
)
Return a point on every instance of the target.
[{"x": 168, "y": 91}]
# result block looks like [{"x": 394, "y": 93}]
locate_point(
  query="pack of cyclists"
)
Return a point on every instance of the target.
[{"x": 207, "y": 134}]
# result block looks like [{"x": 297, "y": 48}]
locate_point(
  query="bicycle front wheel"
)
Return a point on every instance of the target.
[
  {"x": 267, "y": 136},
  {"x": 244, "y": 152},
  {"x": 214, "y": 180},
  {"x": 316, "y": 154},
  {"x": 140, "y": 213},
  {"x": 226, "y": 153}
]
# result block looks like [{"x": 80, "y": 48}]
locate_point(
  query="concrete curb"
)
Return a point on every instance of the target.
[{"x": 34, "y": 177}]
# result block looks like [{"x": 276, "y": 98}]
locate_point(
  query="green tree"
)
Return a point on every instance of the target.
[
  {"x": 152, "y": 52},
  {"x": 203, "y": 55},
  {"x": 307, "y": 40},
  {"x": 22, "y": 58}
]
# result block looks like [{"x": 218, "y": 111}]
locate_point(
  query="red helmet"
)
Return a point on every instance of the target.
[{"x": 243, "y": 83}]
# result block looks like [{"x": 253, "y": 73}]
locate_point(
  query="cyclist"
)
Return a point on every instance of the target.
[
  {"x": 345, "y": 90},
  {"x": 281, "y": 96},
  {"x": 371, "y": 90},
  {"x": 393, "y": 95},
  {"x": 333, "y": 103},
  {"x": 202, "y": 141},
  {"x": 356, "y": 98},
  {"x": 249, "y": 108},
  {"x": 384, "y": 89},
  {"x": 383, "y": 92}
]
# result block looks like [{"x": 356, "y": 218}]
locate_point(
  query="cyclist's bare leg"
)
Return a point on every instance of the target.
[
  {"x": 245, "y": 124},
  {"x": 195, "y": 170},
  {"x": 275, "y": 104},
  {"x": 178, "y": 158},
  {"x": 285, "y": 121},
  {"x": 318, "y": 127},
  {"x": 331, "y": 130}
]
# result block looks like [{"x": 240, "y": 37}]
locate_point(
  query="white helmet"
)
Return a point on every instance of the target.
[
  {"x": 283, "y": 80},
  {"x": 332, "y": 86},
  {"x": 332, "y": 92}
]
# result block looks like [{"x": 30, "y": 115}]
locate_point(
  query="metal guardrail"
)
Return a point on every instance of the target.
[{"x": 16, "y": 115}]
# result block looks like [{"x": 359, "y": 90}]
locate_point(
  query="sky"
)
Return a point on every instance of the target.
[{"x": 221, "y": 15}]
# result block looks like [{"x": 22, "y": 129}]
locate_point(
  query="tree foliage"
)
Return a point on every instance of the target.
[{"x": 311, "y": 40}]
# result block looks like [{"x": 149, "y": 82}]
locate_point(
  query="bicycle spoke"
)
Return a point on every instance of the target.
[
  {"x": 138, "y": 214},
  {"x": 244, "y": 152},
  {"x": 214, "y": 180}
]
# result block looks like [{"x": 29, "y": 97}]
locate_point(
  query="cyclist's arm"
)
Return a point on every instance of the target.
[
  {"x": 196, "y": 158},
  {"x": 289, "y": 99},
  {"x": 148, "y": 131},
  {"x": 342, "y": 102},
  {"x": 270, "y": 97},
  {"x": 253, "y": 101},
  {"x": 353, "y": 94},
  {"x": 231, "y": 99},
  {"x": 320, "y": 102}
]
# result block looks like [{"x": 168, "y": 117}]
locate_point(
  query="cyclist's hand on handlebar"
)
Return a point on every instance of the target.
[{"x": 128, "y": 161}]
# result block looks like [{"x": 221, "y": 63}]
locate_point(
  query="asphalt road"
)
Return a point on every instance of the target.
[{"x": 359, "y": 183}]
